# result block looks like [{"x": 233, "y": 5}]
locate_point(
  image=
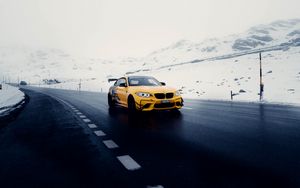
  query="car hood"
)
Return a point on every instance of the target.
[{"x": 152, "y": 89}]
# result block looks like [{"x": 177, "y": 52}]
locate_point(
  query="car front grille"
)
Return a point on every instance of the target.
[
  {"x": 160, "y": 95},
  {"x": 169, "y": 95},
  {"x": 164, "y": 95},
  {"x": 164, "y": 105}
]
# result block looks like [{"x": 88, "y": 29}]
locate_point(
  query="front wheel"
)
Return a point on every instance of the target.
[
  {"x": 175, "y": 112},
  {"x": 131, "y": 105}
]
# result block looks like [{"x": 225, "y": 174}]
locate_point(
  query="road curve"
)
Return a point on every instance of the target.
[{"x": 209, "y": 144}]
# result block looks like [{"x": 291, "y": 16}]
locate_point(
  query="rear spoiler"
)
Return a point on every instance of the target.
[{"x": 112, "y": 79}]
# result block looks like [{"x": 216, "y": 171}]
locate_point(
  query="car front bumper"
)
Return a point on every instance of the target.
[{"x": 159, "y": 104}]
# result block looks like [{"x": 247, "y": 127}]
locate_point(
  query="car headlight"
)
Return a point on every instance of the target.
[
  {"x": 142, "y": 94},
  {"x": 177, "y": 93}
]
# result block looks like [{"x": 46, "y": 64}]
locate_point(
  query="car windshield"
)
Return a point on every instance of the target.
[{"x": 143, "y": 81}]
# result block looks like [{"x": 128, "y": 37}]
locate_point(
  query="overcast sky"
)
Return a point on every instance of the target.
[{"x": 114, "y": 28}]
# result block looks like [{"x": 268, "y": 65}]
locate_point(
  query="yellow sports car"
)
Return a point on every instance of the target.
[{"x": 143, "y": 93}]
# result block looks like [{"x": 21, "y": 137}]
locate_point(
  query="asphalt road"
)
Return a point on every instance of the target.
[{"x": 53, "y": 143}]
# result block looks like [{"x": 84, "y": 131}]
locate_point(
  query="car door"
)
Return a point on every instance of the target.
[{"x": 121, "y": 91}]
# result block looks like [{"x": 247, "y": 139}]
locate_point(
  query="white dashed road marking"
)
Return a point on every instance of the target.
[
  {"x": 99, "y": 133},
  {"x": 155, "y": 186},
  {"x": 128, "y": 162},
  {"x": 125, "y": 160},
  {"x": 86, "y": 120},
  {"x": 110, "y": 144},
  {"x": 92, "y": 126}
]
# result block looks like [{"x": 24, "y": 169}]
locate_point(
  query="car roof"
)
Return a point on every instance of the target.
[{"x": 140, "y": 77}]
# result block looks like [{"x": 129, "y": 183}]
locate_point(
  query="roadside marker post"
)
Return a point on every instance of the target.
[
  {"x": 79, "y": 88},
  {"x": 261, "y": 85}
]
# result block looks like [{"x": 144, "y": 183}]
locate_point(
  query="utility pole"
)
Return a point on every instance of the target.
[{"x": 261, "y": 85}]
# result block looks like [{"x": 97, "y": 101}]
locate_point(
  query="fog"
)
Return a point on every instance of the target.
[{"x": 110, "y": 28}]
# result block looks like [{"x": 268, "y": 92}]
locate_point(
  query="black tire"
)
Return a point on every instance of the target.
[
  {"x": 110, "y": 101},
  {"x": 175, "y": 112},
  {"x": 131, "y": 105}
]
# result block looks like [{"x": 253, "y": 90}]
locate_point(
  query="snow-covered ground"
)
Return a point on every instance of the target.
[
  {"x": 209, "y": 69},
  {"x": 9, "y": 96},
  {"x": 216, "y": 79}
]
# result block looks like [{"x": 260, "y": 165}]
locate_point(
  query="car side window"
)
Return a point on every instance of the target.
[{"x": 120, "y": 81}]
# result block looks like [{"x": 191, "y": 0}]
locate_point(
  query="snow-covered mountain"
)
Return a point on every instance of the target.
[
  {"x": 38, "y": 64},
  {"x": 279, "y": 35},
  {"x": 208, "y": 69}
]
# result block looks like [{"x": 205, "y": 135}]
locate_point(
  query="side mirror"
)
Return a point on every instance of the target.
[
  {"x": 163, "y": 83},
  {"x": 123, "y": 85}
]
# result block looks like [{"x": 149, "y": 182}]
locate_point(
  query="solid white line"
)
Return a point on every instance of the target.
[
  {"x": 99, "y": 133},
  {"x": 86, "y": 120},
  {"x": 188, "y": 108},
  {"x": 128, "y": 162},
  {"x": 92, "y": 126},
  {"x": 82, "y": 116},
  {"x": 110, "y": 144}
]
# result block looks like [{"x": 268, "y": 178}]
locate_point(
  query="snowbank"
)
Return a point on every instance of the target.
[{"x": 9, "y": 96}]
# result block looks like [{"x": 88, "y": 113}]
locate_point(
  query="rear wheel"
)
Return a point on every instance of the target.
[{"x": 110, "y": 101}]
